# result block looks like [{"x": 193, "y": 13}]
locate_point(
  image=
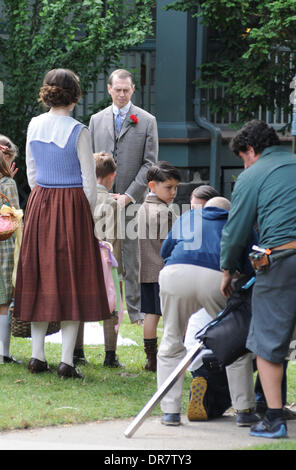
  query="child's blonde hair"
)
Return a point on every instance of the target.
[
  {"x": 105, "y": 164},
  {"x": 12, "y": 149}
]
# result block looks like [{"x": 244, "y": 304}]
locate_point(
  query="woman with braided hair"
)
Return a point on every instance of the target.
[{"x": 60, "y": 276}]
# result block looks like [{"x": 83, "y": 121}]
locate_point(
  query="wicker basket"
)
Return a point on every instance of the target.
[
  {"x": 14, "y": 223},
  {"x": 22, "y": 329}
]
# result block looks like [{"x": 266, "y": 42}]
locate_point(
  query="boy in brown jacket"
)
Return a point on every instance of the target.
[{"x": 155, "y": 219}]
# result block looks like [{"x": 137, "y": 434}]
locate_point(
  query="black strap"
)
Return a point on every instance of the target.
[{"x": 281, "y": 254}]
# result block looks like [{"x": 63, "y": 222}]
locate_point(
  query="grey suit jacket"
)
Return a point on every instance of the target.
[{"x": 134, "y": 151}]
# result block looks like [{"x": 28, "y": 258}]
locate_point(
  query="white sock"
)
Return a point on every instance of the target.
[
  {"x": 38, "y": 332},
  {"x": 4, "y": 335},
  {"x": 69, "y": 335}
]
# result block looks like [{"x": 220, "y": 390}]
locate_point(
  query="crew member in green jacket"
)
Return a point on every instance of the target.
[{"x": 265, "y": 194}]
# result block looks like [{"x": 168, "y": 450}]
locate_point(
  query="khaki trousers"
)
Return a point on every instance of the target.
[
  {"x": 240, "y": 380},
  {"x": 185, "y": 289}
]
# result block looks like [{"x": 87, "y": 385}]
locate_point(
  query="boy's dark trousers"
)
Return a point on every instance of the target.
[{"x": 217, "y": 398}]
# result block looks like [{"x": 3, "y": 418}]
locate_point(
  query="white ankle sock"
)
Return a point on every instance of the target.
[
  {"x": 38, "y": 332},
  {"x": 4, "y": 335},
  {"x": 69, "y": 335}
]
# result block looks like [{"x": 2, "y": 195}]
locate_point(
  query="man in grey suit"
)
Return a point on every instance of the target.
[{"x": 130, "y": 134}]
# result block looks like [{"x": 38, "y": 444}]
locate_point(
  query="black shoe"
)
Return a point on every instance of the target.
[
  {"x": 111, "y": 360},
  {"x": 9, "y": 360},
  {"x": 246, "y": 418},
  {"x": 68, "y": 372},
  {"x": 35, "y": 366},
  {"x": 78, "y": 357},
  {"x": 276, "y": 429},
  {"x": 171, "y": 419},
  {"x": 289, "y": 414}
]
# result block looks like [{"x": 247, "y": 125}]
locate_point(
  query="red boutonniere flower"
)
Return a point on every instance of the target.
[{"x": 132, "y": 120}]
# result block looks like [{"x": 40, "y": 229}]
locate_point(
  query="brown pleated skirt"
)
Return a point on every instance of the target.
[{"x": 60, "y": 275}]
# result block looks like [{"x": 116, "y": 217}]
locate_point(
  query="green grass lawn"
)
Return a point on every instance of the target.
[
  {"x": 34, "y": 400},
  {"x": 38, "y": 400},
  {"x": 276, "y": 445}
]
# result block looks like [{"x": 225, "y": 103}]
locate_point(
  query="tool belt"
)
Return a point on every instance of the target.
[{"x": 261, "y": 260}]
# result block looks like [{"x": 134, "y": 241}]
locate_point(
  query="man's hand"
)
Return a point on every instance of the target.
[
  {"x": 226, "y": 287},
  {"x": 122, "y": 199}
]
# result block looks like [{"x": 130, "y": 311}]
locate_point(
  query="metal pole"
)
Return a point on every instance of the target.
[{"x": 164, "y": 388}]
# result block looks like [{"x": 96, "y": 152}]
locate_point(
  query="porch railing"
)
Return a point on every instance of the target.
[
  {"x": 141, "y": 62},
  {"x": 277, "y": 118}
]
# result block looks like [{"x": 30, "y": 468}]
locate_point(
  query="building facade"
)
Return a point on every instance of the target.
[{"x": 166, "y": 68}]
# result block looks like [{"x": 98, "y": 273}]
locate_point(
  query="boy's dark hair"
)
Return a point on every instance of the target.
[
  {"x": 105, "y": 164},
  {"x": 162, "y": 171},
  {"x": 256, "y": 134}
]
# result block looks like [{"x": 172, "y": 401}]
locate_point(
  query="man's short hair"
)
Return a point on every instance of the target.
[
  {"x": 220, "y": 202},
  {"x": 256, "y": 134},
  {"x": 122, "y": 74},
  {"x": 105, "y": 164},
  {"x": 205, "y": 192}
]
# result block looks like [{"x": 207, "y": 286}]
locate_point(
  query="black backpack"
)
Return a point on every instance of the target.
[{"x": 226, "y": 336}]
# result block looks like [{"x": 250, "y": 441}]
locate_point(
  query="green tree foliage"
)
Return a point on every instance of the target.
[
  {"x": 252, "y": 52},
  {"x": 86, "y": 36}
]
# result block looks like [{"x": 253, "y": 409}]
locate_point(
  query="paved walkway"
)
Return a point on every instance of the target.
[
  {"x": 221, "y": 434},
  {"x": 108, "y": 436}
]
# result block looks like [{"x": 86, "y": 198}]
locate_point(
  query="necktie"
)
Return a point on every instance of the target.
[{"x": 118, "y": 122}]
